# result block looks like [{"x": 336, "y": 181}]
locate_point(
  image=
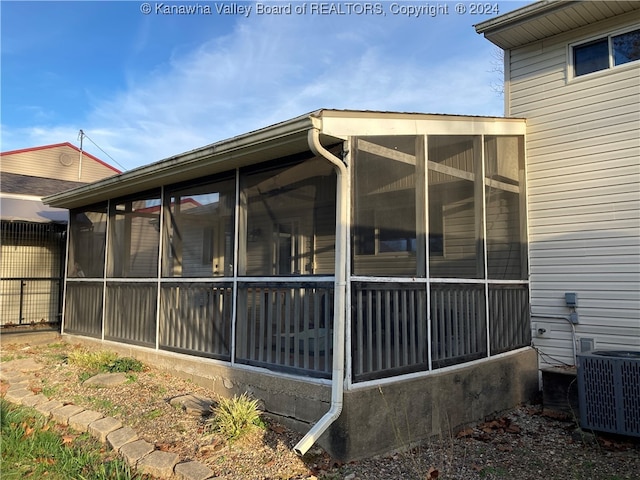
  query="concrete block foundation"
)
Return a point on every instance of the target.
[{"x": 376, "y": 418}]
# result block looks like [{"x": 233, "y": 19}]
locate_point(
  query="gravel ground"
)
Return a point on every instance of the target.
[{"x": 524, "y": 444}]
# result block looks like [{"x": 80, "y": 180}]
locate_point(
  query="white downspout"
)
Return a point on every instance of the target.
[{"x": 337, "y": 378}]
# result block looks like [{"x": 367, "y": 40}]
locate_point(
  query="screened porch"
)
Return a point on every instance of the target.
[{"x": 238, "y": 264}]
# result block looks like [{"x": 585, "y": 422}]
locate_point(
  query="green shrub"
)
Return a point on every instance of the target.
[
  {"x": 103, "y": 361},
  {"x": 124, "y": 364},
  {"x": 93, "y": 361},
  {"x": 234, "y": 417}
]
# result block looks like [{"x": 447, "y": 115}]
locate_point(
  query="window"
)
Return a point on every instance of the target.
[
  {"x": 591, "y": 57},
  {"x": 606, "y": 52},
  {"x": 626, "y": 47}
]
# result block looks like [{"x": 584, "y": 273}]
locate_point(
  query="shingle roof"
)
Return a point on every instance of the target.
[{"x": 37, "y": 186}]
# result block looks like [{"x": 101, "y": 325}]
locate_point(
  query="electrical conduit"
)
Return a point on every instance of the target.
[{"x": 337, "y": 378}]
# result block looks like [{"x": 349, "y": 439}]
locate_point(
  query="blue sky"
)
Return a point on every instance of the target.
[{"x": 144, "y": 87}]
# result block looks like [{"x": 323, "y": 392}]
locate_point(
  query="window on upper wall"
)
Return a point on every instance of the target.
[{"x": 606, "y": 52}]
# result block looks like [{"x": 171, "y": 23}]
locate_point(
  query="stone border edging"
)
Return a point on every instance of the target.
[{"x": 139, "y": 454}]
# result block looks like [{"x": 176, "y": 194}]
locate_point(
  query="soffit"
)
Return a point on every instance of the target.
[{"x": 547, "y": 18}]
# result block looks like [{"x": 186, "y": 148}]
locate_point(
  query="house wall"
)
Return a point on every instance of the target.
[
  {"x": 583, "y": 167},
  {"x": 61, "y": 162}
]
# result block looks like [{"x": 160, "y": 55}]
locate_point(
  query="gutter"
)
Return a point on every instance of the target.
[
  {"x": 337, "y": 378},
  {"x": 182, "y": 166},
  {"x": 520, "y": 15}
]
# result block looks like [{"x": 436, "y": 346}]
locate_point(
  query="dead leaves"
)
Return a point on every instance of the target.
[
  {"x": 432, "y": 474},
  {"x": 486, "y": 430},
  {"x": 27, "y": 430},
  {"x": 467, "y": 432},
  {"x": 277, "y": 428}
]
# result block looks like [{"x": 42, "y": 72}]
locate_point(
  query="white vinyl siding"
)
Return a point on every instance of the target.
[{"x": 583, "y": 168}]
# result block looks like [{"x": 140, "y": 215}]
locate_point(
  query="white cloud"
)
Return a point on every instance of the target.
[{"x": 272, "y": 68}]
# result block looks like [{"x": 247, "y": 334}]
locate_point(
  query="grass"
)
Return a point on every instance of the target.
[
  {"x": 103, "y": 361},
  {"x": 49, "y": 390},
  {"x": 57, "y": 352},
  {"x": 152, "y": 414},
  {"x": 234, "y": 417},
  {"x": 493, "y": 472},
  {"x": 92, "y": 361},
  {"x": 34, "y": 447},
  {"x": 7, "y": 357},
  {"x": 105, "y": 406}
]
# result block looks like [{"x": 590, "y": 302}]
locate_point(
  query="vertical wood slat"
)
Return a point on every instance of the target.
[
  {"x": 272, "y": 301},
  {"x": 359, "y": 339},
  {"x": 296, "y": 327},
  {"x": 287, "y": 326},
  {"x": 328, "y": 328},
  {"x": 387, "y": 328},
  {"x": 307, "y": 339},
  {"x": 251, "y": 331},
  {"x": 278, "y": 358},
  {"x": 317, "y": 303},
  {"x": 379, "y": 362}
]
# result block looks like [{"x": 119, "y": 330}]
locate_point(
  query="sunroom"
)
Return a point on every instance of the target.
[{"x": 350, "y": 269}]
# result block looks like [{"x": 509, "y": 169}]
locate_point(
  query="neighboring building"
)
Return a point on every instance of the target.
[
  {"x": 370, "y": 265},
  {"x": 572, "y": 69},
  {"x": 33, "y": 240}
]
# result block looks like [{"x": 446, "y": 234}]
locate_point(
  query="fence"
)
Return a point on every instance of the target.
[{"x": 31, "y": 273}]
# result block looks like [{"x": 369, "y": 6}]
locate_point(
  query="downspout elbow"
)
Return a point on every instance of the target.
[{"x": 337, "y": 378}]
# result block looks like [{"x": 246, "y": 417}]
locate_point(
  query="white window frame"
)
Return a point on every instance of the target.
[{"x": 570, "y": 54}]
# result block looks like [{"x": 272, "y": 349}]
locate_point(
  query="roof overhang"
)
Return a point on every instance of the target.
[
  {"x": 546, "y": 18},
  {"x": 279, "y": 141},
  {"x": 23, "y": 208}
]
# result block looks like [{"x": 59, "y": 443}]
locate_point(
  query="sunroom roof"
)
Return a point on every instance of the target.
[{"x": 278, "y": 141}]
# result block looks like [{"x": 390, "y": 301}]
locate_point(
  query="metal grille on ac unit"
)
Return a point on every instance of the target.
[{"x": 609, "y": 391}]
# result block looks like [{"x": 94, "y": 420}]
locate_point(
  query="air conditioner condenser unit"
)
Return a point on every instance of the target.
[{"x": 609, "y": 391}]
